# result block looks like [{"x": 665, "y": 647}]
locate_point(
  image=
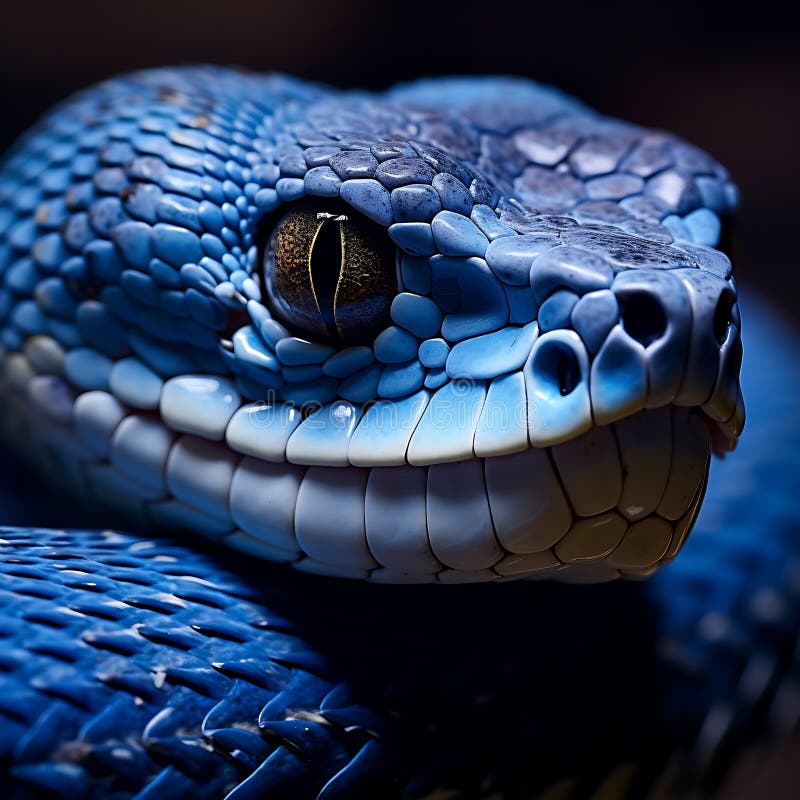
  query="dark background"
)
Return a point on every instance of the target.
[{"x": 726, "y": 79}]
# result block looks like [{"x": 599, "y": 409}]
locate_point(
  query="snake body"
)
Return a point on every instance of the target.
[{"x": 541, "y": 396}]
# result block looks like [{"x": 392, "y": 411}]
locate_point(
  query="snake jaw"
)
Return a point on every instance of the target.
[{"x": 561, "y": 329}]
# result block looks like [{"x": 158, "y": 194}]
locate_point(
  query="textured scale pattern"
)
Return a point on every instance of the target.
[
  {"x": 550, "y": 262},
  {"x": 559, "y": 297},
  {"x": 135, "y": 668}
]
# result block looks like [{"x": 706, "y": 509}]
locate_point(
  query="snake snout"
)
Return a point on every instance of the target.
[
  {"x": 677, "y": 341},
  {"x": 625, "y": 328}
]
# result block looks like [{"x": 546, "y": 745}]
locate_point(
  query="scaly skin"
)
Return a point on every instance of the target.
[
  {"x": 561, "y": 356},
  {"x": 134, "y": 221}
]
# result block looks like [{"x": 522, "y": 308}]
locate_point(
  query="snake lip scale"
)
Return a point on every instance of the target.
[{"x": 463, "y": 330}]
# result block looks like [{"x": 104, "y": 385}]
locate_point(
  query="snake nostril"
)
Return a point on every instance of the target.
[
  {"x": 558, "y": 367},
  {"x": 643, "y": 317},
  {"x": 722, "y": 316}
]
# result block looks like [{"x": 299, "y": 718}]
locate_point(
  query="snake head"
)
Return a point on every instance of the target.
[{"x": 462, "y": 331}]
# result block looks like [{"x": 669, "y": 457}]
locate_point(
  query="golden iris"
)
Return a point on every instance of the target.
[{"x": 330, "y": 273}]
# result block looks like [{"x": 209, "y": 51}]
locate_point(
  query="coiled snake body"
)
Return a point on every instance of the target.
[{"x": 465, "y": 331}]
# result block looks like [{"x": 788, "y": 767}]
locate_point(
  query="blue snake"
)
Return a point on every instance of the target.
[{"x": 462, "y": 331}]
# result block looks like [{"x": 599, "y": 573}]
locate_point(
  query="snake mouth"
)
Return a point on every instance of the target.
[{"x": 617, "y": 500}]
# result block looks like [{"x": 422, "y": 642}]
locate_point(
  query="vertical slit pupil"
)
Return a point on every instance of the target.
[
  {"x": 329, "y": 273},
  {"x": 325, "y": 267}
]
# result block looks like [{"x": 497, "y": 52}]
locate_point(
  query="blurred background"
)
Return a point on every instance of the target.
[{"x": 726, "y": 80}]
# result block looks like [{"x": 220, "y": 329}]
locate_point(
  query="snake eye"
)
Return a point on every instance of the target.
[{"x": 330, "y": 273}]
